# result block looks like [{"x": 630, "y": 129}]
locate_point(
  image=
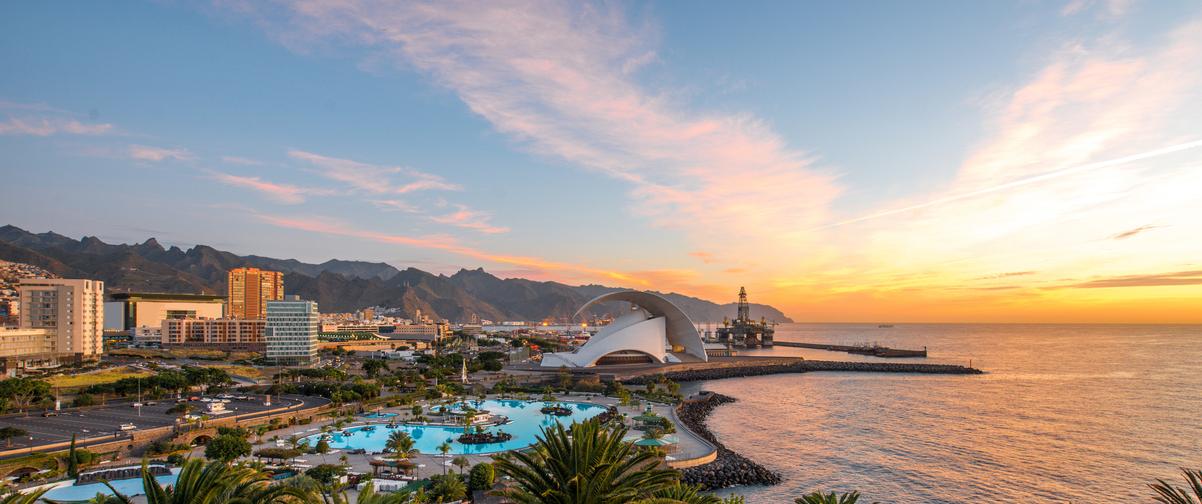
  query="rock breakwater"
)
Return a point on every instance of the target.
[
  {"x": 801, "y": 366},
  {"x": 729, "y": 468}
]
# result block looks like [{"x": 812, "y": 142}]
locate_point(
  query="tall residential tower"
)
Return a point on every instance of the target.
[{"x": 249, "y": 291}]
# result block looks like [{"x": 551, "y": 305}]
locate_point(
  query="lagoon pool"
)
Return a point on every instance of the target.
[
  {"x": 376, "y": 414},
  {"x": 127, "y": 487},
  {"x": 526, "y": 423}
]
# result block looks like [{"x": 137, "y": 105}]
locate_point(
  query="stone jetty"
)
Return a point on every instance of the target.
[
  {"x": 752, "y": 368},
  {"x": 729, "y": 468}
]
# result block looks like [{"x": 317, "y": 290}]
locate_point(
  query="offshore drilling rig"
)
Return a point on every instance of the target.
[{"x": 743, "y": 331}]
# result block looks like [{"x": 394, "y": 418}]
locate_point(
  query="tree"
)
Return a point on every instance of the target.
[
  {"x": 589, "y": 463},
  {"x": 461, "y": 462},
  {"x": 227, "y": 448},
  {"x": 8, "y": 433},
  {"x": 24, "y": 392},
  {"x": 24, "y": 498},
  {"x": 481, "y": 477},
  {"x": 322, "y": 448},
  {"x": 448, "y": 487},
  {"x": 1168, "y": 494},
  {"x": 373, "y": 367},
  {"x": 400, "y": 444},
  {"x": 444, "y": 448},
  {"x": 326, "y": 474},
  {"x": 217, "y": 483},
  {"x": 72, "y": 460},
  {"x": 681, "y": 494},
  {"x": 830, "y": 498}
]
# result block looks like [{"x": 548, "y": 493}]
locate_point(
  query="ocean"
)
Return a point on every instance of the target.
[{"x": 1064, "y": 413}]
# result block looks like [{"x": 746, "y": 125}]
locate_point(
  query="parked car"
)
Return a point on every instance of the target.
[{"x": 49, "y": 413}]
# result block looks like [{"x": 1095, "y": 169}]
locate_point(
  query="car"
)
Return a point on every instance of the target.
[
  {"x": 128, "y": 427},
  {"x": 137, "y": 405},
  {"x": 49, "y": 413},
  {"x": 151, "y": 403}
]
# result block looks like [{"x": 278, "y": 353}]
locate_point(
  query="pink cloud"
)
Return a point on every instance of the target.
[
  {"x": 451, "y": 245},
  {"x": 558, "y": 77},
  {"x": 465, "y": 217},
  {"x": 372, "y": 178},
  {"x": 283, "y": 193},
  {"x": 156, "y": 154},
  {"x": 46, "y": 126}
]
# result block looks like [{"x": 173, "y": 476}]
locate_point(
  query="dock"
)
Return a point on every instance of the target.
[{"x": 874, "y": 350}]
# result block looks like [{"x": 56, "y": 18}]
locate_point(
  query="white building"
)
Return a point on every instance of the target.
[
  {"x": 126, "y": 311},
  {"x": 653, "y": 331},
  {"x": 291, "y": 333},
  {"x": 73, "y": 309}
]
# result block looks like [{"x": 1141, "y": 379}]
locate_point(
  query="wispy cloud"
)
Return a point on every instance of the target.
[
  {"x": 1193, "y": 277},
  {"x": 239, "y": 160},
  {"x": 156, "y": 154},
  {"x": 570, "y": 92},
  {"x": 467, "y": 218},
  {"x": 1132, "y": 232},
  {"x": 283, "y": 193},
  {"x": 39, "y": 119},
  {"x": 373, "y": 178},
  {"x": 451, "y": 245},
  {"x": 395, "y": 205},
  {"x": 47, "y": 126},
  {"x": 1009, "y": 274}
]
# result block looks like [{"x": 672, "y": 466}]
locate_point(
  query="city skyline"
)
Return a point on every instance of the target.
[{"x": 1003, "y": 162}]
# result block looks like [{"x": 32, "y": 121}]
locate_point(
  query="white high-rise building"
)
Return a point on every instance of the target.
[
  {"x": 291, "y": 332},
  {"x": 72, "y": 309}
]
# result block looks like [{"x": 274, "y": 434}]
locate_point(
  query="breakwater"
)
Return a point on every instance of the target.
[
  {"x": 729, "y": 468},
  {"x": 875, "y": 350},
  {"x": 752, "y": 368}
]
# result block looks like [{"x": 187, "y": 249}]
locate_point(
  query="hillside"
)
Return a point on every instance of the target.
[{"x": 337, "y": 285}]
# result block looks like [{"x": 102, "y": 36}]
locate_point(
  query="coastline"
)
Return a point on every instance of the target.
[{"x": 729, "y": 468}]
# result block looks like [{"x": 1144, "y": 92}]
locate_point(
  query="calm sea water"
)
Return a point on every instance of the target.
[{"x": 1066, "y": 413}]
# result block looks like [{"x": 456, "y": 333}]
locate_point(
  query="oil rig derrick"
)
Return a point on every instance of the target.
[{"x": 744, "y": 331}]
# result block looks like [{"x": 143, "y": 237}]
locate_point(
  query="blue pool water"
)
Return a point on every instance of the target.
[
  {"x": 378, "y": 415},
  {"x": 527, "y": 422},
  {"x": 127, "y": 487}
]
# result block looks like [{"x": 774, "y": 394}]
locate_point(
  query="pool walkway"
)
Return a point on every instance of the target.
[{"x": 688, "y": 446}]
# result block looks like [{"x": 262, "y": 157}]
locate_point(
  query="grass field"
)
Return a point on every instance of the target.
[{"x": 95, "y": 378}]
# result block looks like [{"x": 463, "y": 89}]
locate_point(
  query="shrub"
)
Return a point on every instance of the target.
[{"x": 481, "y": 477}]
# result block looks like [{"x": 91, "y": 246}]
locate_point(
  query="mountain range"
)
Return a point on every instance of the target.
[{"x": 336, "y": 285}]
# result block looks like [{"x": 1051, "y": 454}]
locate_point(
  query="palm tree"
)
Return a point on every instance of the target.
[
  {"x": 589, "y": 463},
  {"x": 830, "y": 498},
  {"x": 681, "y": 493},
  {"x": 401, "y": 444},
  {"x": 444, "y": 448},
  {"x": 1168, "y": 494},
  {"x": 461, "y": 462},
  {"x": 20, "y": 498},
  {"x": 216, "y": 482}
]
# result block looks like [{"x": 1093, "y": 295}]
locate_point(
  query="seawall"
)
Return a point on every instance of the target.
[
  {"x": 729, "y": 468},
  {"x": 775, "y": 366}
]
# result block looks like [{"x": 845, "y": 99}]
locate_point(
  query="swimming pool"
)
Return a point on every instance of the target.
[
  {"x": 526, "y": 423},
  {"x": 127, "y": 487},
  {"x": 376, "y": 414}
]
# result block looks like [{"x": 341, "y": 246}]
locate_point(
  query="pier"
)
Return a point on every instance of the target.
[{"x": 874, "y": 350}]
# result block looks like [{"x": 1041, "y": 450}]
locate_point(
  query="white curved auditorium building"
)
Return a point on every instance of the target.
[{"x": 654, "y": 331}]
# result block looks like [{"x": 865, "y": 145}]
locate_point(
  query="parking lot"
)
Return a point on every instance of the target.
[{"x": 107, "y": 420}]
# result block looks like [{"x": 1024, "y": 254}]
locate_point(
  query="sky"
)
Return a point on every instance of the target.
[{"x": 1026, "y": 161}]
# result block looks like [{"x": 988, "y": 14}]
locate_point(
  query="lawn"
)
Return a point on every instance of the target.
[{"x": 95, "y": 377}]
